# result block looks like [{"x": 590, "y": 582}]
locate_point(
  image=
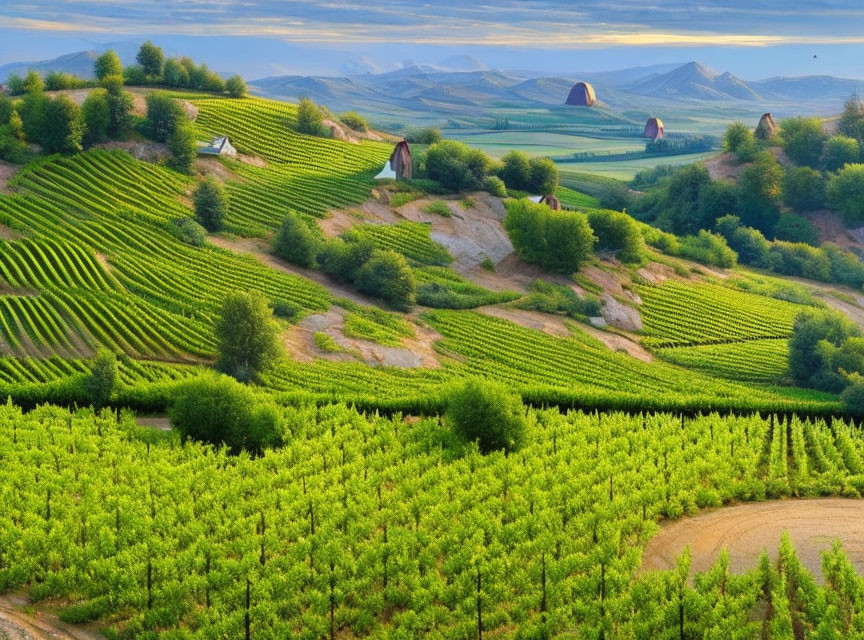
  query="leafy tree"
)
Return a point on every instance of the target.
[
  {"x": 846, "y": 192},
  {"x": 840, "y": 151},
  {"x": 816, "y": 337},
  {"x": 33, "y": 109},
  {"x": 708, "y": 248},
  {"x": 64, "y": 126},
  {"x": 134, "y": 75},
  {"x": 99, "y": 385},
  {"x": 736, "y": 134},
  {"x": 97, "y": 116},
  {"x": 211, "y": 81},
  {"x": 516, "y": 172},
  {"x": 792, "y": 227},
  {"x": 455, "y": 166},
  {"x": 174, "y": 74},
  {"x": 846, "y": 267},
  {"x": 682, "y": 198},
  {"x": 799, "y": 259},
  {"x": 151, "y": 59},
  {"x": 750, "y": 245},
  {"x": 16, "y": 127},
  {"x": 108, "y": 64},
  {"x": 6, "y": 109},
  {"x": 247, "y": 336},
  {"x": 60, "y": 80},
  {"x": 619, "y": 232},
  {"x": 354, "y": 120},
  {"x": 218, "y": 410},
  {"x": 343, "y": 257},
  {"x": 615, "y": 196},
  {"x": 544, "y": 176},
  {"x": 183, "y": 145},
  {"x": 296, "y": 242},
  {"x": 851, "y": 122},
  {"x": 309, "y": 119},
  {"x": 803, "y": 189},
  {"x": 487, "y": 413},
  {"x": 211, "y": 204},
  {"x": 33, "y": 83},
  {"x": 236, "y": 86},
  {"x": 716, "y": 199},
  {"x": 853, "y": 396},
  {"x": 759, "y": 189},
  {"x": 386, "y": 275},
  {"x": 494, "y": 186},
  {"x": 119, "y": 107},
  {"x": 163, "y": 114},
  {"x": 427, "y": 136},
  {"x": 15, "y": 84},
  {"x": 803, "y": 140}
]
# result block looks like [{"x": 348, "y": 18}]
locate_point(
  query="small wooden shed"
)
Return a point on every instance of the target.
[
  {"x": 766, "y": 127},
  {"x": 654, "y": 129},
  {"x": 220, "y": 146}
]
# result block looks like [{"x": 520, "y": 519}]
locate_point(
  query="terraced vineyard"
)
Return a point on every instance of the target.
[
  {"x": 369, "y": 527},
  {"x": 411, "y": 239},
  {"x": 764, "y": 361}
]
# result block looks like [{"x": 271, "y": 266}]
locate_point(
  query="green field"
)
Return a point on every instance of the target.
[
  {"x": 626, "y": 169},
  {"x": 497, "y": 144}
]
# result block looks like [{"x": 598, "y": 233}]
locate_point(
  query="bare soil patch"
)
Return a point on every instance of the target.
[
  {"x": 7, "y": 171},
  {"x": 618, "y": 342},
  {"x": 212, "y": 167},
  {"x": 146, "y": 151},
  {"x": 370, "y": 212},
  {"x": 831, "y": 228},
  {"x": 161, "y": 422},
  {"x": 747, "y": 530},
  {"x": 8, "y": 234},
  {"x": 723, "y": 167},
  {"x": 42, "y": 624},
  {"x": 545, "y": 322}
]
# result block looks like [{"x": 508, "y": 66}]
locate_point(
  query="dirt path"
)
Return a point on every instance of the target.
[
  {"x": 161, "y": 422},
  {"x": 15, "y": 624},
  {"x": 7, "y": 171},
  {"x": 748, "y": 529}
]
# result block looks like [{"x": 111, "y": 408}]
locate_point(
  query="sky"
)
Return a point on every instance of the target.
[{"x": 751, "y": 38}]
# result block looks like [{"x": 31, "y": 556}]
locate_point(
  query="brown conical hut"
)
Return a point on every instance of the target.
[
  {"x": 551, "y": 201},
  {"x": 400, "y": 160},
  {"x": 653, "y": 129},
  {"x": 766, "y": 127},
  {"x": 581, "y": 95}
]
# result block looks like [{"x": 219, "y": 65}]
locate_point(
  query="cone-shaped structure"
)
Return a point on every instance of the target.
[
  {"x": 653, "y": 129},
  {"x": 582, "y": 95},
  {"x": 400, "y": 161},
  {"x": 551, "y": 201},
  {"x": 766, "y": 127}
]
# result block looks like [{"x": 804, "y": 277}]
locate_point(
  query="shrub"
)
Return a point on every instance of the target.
[
  {"x": 759, "y": 189},
  {"x": 682, "y": 199},
  {"x": 794, "y": 228},
  {"x": 119, "y": 107},
  {"x": 309, "y": 119},
  {"x": 134, "y": 75},
  {"x": 343, "y": 257},
  {"x": 386, "y": 275},
  {"x": 555, "y": 298},
  {"x": 544, "y": 176},
  {"x": 708, "y": 248},
  {"x": 427, "y": 135},
  {"x": 164, "y": 113},
  {"x": 355, "y": 121},
  {"x": 296, "y": 242},
  {"x": 736, "y": 135},
  {"x": 287, "y": 310},
  {"x": 803, "y": 189},
  {"x": 851, "y": 122},
  {"x": 99, "y": 385},
  {"x": 438, "y": 208},
  {"x": 211, "y": 203},
  {"x": 817, "y": 336},
  {"x": 183, "y": 145},
  {"x": 487, "y": 413},
  {"x": 236, "y": 87},
  {"x": 246, "y": 336},
  {"x": 846, "y": 267},
  {"x": 108, "y": 64},
  {"x": 63, "y": 129},
  {"x": 97, "y": 117},
  {"x": 618, "y": 232},
  {"x": 151, "y": 59},
  {"x": 801, "y": 260},
  {"x": 716, "y": 199},
  {"x": 6, "y": 108},
  {"x": 615, "y": 196},
  {"x": 558, "y": 241},
  {"x": 488, "y": 265},
  {"x": 853, "y": 396},
  {"x": 750, "y": 245},
  {"x": 846, "y": 192},
  {"x": 516, "y": 172},
  {"x": 456, "y": 166},
  {"x": 218, "y": 410},
  {"x": 174, "y": 74},
  {"x": 803, "y": 140},
  {"x": 840, "y": 151},
  {"x": 189, "y": 232},
  {"x": 494, "y": 186},
  {"x": 60, "y": 80},
  {"x": 660, "y": 240}
]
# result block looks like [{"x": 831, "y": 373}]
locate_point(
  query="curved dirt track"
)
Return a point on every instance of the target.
[{"x": 748, "y": 529}]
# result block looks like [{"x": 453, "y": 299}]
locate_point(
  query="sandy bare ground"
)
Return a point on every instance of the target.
[
  {"x": 7, "y": 170},
  {"x": 161, "y": 422},
  {"x": 16, "y": 624},
  {"x": 8, "y": 234},
  {"x": 748, "y": 529},
  {"x": 146, "y": 151}
]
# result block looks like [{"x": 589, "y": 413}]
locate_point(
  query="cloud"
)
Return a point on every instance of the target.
[{"x": 556, "y": 24}]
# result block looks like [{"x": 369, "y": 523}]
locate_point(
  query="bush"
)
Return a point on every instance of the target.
[
  {"x": 660, "y": 240},
  {"x": 803, "y": 140},
  {"x": 218, "y": 410},
  {"x": 801, "y": 260},
  {"x": 846, "y": 192},
  {"x": 618, "y": 232},
  {"x": 97, "y": 117},
  {"x": 737, "y": 134},
  {"x": 716, "y": 199},
  {"x": 309, "y": 119},
  {"x": 6, "y": 109},
  {"x": 516, "y": 172},
  {"x": 840, "y": 151},
  {"x": 846, "y": 267},
  {"x": 174, "y": 74},
  {"x": 134, "y": 75},
  {"x": 558, "y": 241},
  {"x": 108, "y": 64},
  {"x": 487, "y": 413},
  {"x": 615, "y": 196},
  {"x": 750, "y": 245},
  {"x": 164, "y": 113},
  {"x": 296, "y": 242},
  {"x": 151, "y": 59},
  {"x": 386, "y": 275},
  {"x": 494, "y": 186},
  {"x": 759, "y": 189},
  {"x": 804, "y": 189},
  {"x": 343, "y": 257},
  {"x": 544, "y": 176},
  {"x": 60, "y": 80},
  {"x": 815, "y": 348},
  {"x": 247, "y": 336},
  {"x": 63, "y": 129},
  {"x": 189, "y": 232},
  {"x": 211, "y": 204},
  {"x": 428, "y": 136},
  {"x": 119, "y": 107},
  {"x": 708, "y": 248},
  {"x": 456, "y": 166},
  {"x": 287, "y": 310},
  {"x": 236, "y": 87},
  {"x": 99, "y": 385},
  {"x": 555, "y": 298},
  {"x": 355, "y": 121},
  {"x": 853, "y": 396},
  {"x": 794, "y": 228},
  {"x": 682, "y": 199}
]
